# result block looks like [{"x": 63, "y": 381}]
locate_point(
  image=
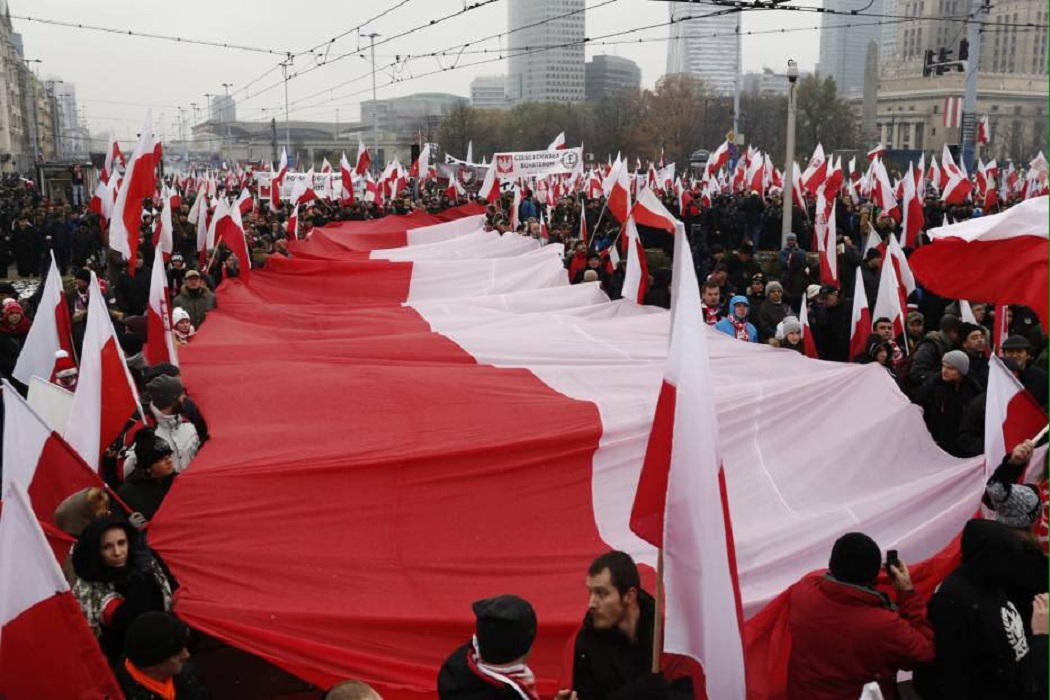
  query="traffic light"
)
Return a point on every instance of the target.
[
  {"x": 927, "y": 64},
  {"x": 943, "y": 56},
  {"x": 964, "y": 54}
]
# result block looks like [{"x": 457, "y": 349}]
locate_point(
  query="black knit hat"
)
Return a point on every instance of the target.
[
  {"x": 506, "y": 626},
  {"x": 855, "y": 559},
  {"x": 154, "y": 637},
  {"x": 149, "y": 449},
  {"x": 164, "y": 391}
]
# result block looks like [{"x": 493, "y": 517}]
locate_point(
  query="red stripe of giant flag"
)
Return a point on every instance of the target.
[
  {"x": 704, "y": 618},
  {"x": 1002, "y": 258},
  {"x": 47, "y": 649}
]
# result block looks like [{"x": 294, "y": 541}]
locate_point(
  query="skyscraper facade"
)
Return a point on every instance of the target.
[
  {"x": 844, "y": 44},
  {"x": 611, "y": 76},
  {"x": 537, "y": 74},
  {"x": 706, "y": 46}
]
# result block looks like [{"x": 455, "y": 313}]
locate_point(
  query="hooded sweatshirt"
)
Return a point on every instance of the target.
[{"x": 732, "y": 326}]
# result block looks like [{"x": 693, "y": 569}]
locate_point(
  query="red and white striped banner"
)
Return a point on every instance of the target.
[{"x": 953, "y": 112}]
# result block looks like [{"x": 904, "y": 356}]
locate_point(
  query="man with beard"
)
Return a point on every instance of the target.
[{"x": 615, "y": 646}]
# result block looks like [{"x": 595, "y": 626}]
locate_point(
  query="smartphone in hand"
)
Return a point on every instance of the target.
[{"x": 892, "y": 559}]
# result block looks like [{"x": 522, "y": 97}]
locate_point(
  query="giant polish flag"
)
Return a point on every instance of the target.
[
  {"x": 140, "y": 182},
  {"x": 1001, "y": 258},
  {"x": 160, "y": 345},
  {"x": 860, "y": 320},
  {"x": 37, "y": 457},
  {"x": 1011, "y": 415},
  {"x": 51, "y": 331},
  {"x": 47, "y": 649},
  {"x": 682, "y": 506},
  {"x": 106, "y": 396}
]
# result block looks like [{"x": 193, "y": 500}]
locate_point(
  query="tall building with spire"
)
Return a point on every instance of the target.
[
  {"x": 704, "y": 43},
  {"x": 554, "y": 75}
]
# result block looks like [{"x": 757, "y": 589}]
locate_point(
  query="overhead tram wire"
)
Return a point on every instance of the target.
[
  {"x": 452, "y": 49},
  {"x": 149, "y": 35}
]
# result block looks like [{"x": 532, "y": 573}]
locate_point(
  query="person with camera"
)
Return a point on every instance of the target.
[{"x": 845, "y": 633}]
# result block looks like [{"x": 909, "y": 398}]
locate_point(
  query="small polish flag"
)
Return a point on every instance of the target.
[
  {"x": 809, "y": 345},
  {"x": 953, "y": 112},
  {"x": 106, "y": 397},
  {"x": 364, "y": 158},
  {"x": 47, "y": 650},
  {"x": 293, "y": 224},
  {"x": 860, "y": 320},
  {"x": 1011, "y": 414},
  {"x": 51, "y": 331},
  {"x": 558, "y": 143},
  {"x": 983, "y": 130},
  {"x": 160, "y": 345},
  {"x": 876, "y": 152}
]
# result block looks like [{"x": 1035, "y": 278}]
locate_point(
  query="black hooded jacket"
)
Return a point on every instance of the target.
[
  {"x": 605, "y": 660},
  {"x": 982, "y": 650},
  {"x": 136, "y": 582}
]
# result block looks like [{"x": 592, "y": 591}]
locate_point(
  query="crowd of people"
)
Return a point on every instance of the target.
[{"x": 982, "y": 635}]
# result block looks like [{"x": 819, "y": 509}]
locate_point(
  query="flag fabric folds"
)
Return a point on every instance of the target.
[
  {"x": 52, "y": 330},
  {"x": 160, "y": 344},
  {"x": 1011, "y": 414}
]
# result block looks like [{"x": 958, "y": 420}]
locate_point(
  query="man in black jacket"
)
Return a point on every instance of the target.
[
  {"x": 494, "y": 664},
  {"x": 613, "y": 653}
]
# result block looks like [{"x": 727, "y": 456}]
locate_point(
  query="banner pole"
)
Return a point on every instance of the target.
[{"x": 658, "y": 628}]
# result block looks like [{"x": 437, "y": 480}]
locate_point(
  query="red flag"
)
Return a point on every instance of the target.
[
  {"x": 809, "y": 345},
  {"x": 913, "y": 219},
  {"x": 160, "y": 345},
  {"x": 1011, "y": 414},
  {"x": 347, "y": 180},
  {"x": 106, "y": 397},
  {"x": 37, "y": 605},
  {"x": 860, "y": 320},
  {"x": 983, "y": 130},
  {"x": 1002, "y": 258},
  {"x": 293, "y": 224},
  {"x": 51, "y": 331},
  {"x": 704, "y": 619},
  {"x": 277, "y": 181}
]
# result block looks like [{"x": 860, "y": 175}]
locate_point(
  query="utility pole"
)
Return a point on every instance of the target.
[
  {"x": 287, "y": 129},
  {"x": 211, "y": 108},
  {"x": 973, "y": 58},
  {"x": 736, "y": 78},
  {"x": 226, "y": 106},
  {"x": 789, "y": 158},
  {"x": 375, "y": 107}
]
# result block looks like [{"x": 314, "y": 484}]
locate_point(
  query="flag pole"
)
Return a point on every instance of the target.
[{"x": 658, "y": 628}]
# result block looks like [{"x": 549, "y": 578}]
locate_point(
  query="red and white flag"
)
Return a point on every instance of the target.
[
  {"x": 114, "y": 158},
  {"x": 809, "y": 345},
  {"x": 47, "y": 649},
  {"x": 619, "y": 198},
  {"x": 827, "y": 244},
  {"x": 681, "y": 505},
  {"x": 37, "y": 458},
  {"x": 364, "y": 158},
  {"x": 489, "y": 186},
  {"x": 1002, "y": 258},
  {"x": 278, "y": 180},
  {"x": 860, "y": 320},
  {"x": 293, "y": 224},
  {"x": 583, "y": 225},
  {"x": 164, "y": 236},
  {"x": 815, "y": 172},
  {"x": 245, "y": 203},
  {"x": 1011, "y": 414},
  {"x": 51, "y": 331},
  {"x": 957, "y": 189},
  {"x": 106, "y": 397},
  {"x": 347, "y": 179},
  {"x": 636, "y": 273},
  {"x": 876, "y": 152},
  {"x": 983, "y": 130},
  {"x": 888, "y": 302},
  {"x": 796, "y": 187},
  {"x": 140, "y": 182},
  {"x": 913, "y": 218},
  {"x": 1002, "y": 328},
  {"x": 558, "y": 143},
  {"x": 718, "y": 159},
  {"x": 895, "y": 254},
  {"x": 160, "y": 345},
  {"x": 230, "y": 228},
  {"x": 874, "y": 240},
  {"x": 953, "y": 112}
]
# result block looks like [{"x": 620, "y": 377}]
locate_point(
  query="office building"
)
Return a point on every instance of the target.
[
  {"x": 489, "y": 92},
  {"x": 555, "y": 75},
  {"x": 610, "y": 76},
  {"x": 707, "y": 47},
  {"x": 844, "y": 42}
]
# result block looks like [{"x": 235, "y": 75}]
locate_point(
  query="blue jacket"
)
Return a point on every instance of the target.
[{"x": 726, "y": 324}]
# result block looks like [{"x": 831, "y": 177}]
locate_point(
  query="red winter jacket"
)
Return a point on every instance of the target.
[{"x": 844, "y": 636}]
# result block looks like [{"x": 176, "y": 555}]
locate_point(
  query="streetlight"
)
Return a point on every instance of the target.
[
  {"x": 375, "y": 106},
  {"x": 789, "y": 158},
  {"x": 222, "y": 113}
]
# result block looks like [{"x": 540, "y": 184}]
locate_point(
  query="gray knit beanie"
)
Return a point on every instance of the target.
[{"x": 957, "y": 359}]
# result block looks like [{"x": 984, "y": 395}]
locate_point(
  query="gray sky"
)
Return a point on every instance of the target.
[{"x": 117, "y": 76}]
